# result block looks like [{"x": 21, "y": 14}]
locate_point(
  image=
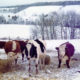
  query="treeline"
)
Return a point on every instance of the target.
[
  {"x": 57, "y": 26},
  {"x": 14, "y": 19}
]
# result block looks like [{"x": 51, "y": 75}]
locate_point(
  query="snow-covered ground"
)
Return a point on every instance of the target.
[{"x": 14, "y": 31}]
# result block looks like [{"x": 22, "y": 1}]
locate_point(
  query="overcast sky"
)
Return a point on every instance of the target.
[{"x": 19, "y": 2}]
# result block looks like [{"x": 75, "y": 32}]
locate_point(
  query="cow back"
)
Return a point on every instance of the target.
[
  {"x": 8, "y": 47},
  {"x": 69, "y": 49}
]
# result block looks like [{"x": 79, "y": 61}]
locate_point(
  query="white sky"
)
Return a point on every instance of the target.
[{"x": 18, "y": 2}]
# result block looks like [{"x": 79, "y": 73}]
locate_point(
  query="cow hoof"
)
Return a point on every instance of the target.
[
  {"x": 68, "y": 67},
  {"x": 58, "y": 66}
]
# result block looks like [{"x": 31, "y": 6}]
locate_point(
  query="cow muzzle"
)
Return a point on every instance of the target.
[{"x": 28, "y": 58}]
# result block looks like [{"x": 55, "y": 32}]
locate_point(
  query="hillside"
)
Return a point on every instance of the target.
[{"x": 18, "y": 8}]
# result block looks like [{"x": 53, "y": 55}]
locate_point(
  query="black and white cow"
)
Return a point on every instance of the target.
[
  {"x": 42, "y": 44},
  {"x": 33, "y": 50},
  {"x": 65, "y": 52}
]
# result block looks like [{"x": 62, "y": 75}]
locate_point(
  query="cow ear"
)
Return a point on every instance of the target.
[{"x": 57, "y": 48}]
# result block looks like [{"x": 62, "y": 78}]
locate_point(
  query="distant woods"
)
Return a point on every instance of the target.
[
  {"x": 58, "y": 26},
  {"x": 55, "y": 25},
  {"x": 14, "y": 19}
]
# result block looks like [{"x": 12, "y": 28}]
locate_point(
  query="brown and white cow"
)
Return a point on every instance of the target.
[
  {"x": 12, "y": 49},
  {"x": 65, "y": 52}
]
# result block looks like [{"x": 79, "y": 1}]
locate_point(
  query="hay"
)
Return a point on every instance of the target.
[
  {"x": 47, "y": 60},
  {"x": 5, "y": 65},
  {"x": 44, "y": 61}
]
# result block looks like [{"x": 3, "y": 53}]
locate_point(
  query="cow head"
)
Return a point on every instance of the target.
[
  {"x": 61, "y": 50},
  {"x": 57, "y": 48},
  {"x": 30, "y": 51},
  {"x": 12, "y": 55}
]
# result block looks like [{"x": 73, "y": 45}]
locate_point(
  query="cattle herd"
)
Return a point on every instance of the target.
[{"x": 36, "y": 50}]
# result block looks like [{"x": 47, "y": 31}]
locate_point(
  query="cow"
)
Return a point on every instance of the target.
[
  {"x": 12, "y": 49},
  {"x": 22, "y": 46},
  {"x": 65, "y": 52},
  {"x": 41, "y": 43},
  {"x": 33, "y": 51},
  {"x": 2, "y": 44}
]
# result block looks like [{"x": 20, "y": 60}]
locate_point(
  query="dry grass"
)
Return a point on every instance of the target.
[
  {"x": 5, "y": 65},
  {"x": 20, "y": 78}
]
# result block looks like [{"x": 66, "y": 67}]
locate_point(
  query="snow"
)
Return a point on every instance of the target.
[
  {"x": 30, "y": 12},
  {"x": 74, "y": 8},
  {"x": 77, "y": 76},
  {"x": 14, "y": 31}
]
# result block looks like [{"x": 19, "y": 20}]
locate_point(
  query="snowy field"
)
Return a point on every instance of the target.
[
  {"x": 20, "y": 71},
  {"x": 14, "y": 31}
]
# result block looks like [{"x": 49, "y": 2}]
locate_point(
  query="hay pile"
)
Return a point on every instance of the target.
[
  {"x": 44, "y": 61},
  {"x": 5, "y": 65}
]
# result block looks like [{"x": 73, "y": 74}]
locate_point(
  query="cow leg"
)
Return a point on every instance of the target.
[
  {"x": 29, "y": 68},
  {"x": 67, "y": 63},
  {"x": 22, "y": 57},
  {"x": 59, "y": 65},
  {"x": 40, "y": 65},
  {"x": 36, "y": 66},
  {"x": 15, "y": 61}
]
